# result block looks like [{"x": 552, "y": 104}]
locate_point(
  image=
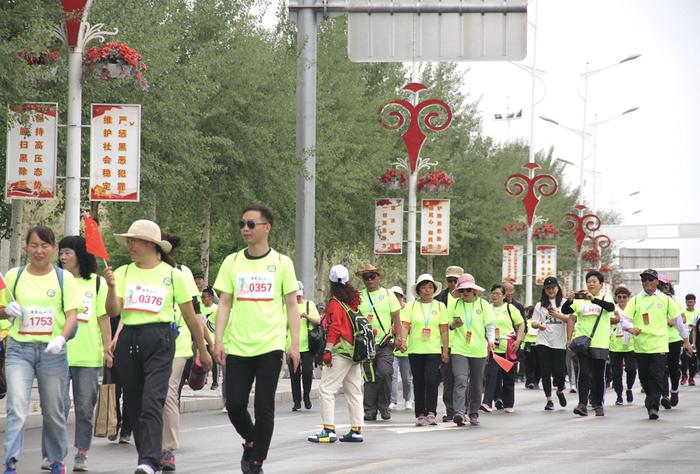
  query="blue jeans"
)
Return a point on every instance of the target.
[
  {"x": 402, "y": 365},
  {"x": 25, "y": 360}
]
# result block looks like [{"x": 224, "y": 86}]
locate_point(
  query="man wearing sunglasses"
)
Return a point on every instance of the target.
[
  {"x": 381, "y": 308},
  {"x": 448, "y": 296},
  {"x": 255, "y": 287},
  {"x": 646, "y": 317}
]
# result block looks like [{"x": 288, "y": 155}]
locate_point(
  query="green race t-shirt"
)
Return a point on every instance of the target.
[
  {"x": 150, "y": 295},
  {"x": 651, "y": 314},
  {"x": 40, "y": 299},
  {"x": 86, "y": 349},
  {"x": 620, "y": 341},
  {"x": 475, "y": 316},
  {"x": 183, "y": 343},
  {"x": 673, "y": 334},
  {"x": 504, "y": 325},
  {"x": 258, "y": 322},
  {"x": 397, "y": 352},
  {"x": 690, "y": 318},
  {"x": 384, "y": 302},
  {"x": 586, "y": 314},
  {"x": 425, "y": 320}
]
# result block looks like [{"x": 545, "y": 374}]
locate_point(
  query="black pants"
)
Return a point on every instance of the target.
[
  {"x": 377, "y": 394},
  {"x": 616, "y": 364},
  {"x": 448, "y": 383},
  {"x": 591, "y": 380},
  {"x": 145, "y": 358},
  {"x": 122, "y": 417},
  {"x": 183, "y": 379},
  {"x": 499, "y": 384},
  {"x": 529, "y": 356},
  {"x": 673, "y": 367},
  {"x": 214, "y": 367},
  {"x": 689, "y": 365},
  {"x": 240, "y": 374},
  {"x": 652, "y": 371},
  {"x": 304, "y": 373},
  {"x": 426, "y": 380},
  {"x": 552, "y": 364}
]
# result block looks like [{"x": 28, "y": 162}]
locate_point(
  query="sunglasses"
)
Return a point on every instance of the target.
[
  {"x": 451, "y": 280},
  {"x": 466, "y": 290},
  {"x": 622, "y": 297},
  {"x": 251, "y": 224},
  {"x": 648, "y": 278},
  {"x": 369, "y": 277}
]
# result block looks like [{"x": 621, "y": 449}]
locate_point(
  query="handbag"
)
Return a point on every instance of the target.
[
  {"x": 511, "y": 347},
  {"x": 106, "y": 417},
  {"x": 581, "y": 344},
  {"x": 198, "y": 375}
]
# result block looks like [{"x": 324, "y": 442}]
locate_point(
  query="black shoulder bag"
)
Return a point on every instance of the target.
[
  {"x": 388, "y": 337},
  {"x": 582, "y": 344},
  {"x": 317, "y": 339}
]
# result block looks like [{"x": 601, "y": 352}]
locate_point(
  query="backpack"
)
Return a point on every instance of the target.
[
  {"x": 59, "y": 276},
  {"x": 363, "y": 335}
]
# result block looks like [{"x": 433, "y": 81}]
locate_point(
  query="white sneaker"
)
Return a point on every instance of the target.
[
  {"x": 409, "y": 405},
  {"x": 392, "y": 406},
  {"x": 144, "y": 469}
]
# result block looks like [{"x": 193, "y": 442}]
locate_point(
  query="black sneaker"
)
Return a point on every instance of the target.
[
  {"x": 630, "y": 396},
  {"x": 666, "y": 403},
  {"x": 446, "y": 418},
  {"x": 599, "y": 411},
  {"x": 370, "y": 417},
  {"x": 581, "y": 410},
  {"x": 653, "y": 414},
  {"x": 458, "y": 419},
  {"x": 499, "y": 404},
  {"x": 245, "y": 459},
  {"x": 385, "y": 413},
  {"x": 549, "y": 406},
  {"x": 619, "y": 400},
  {"x": 297, "y": 406},
  {"x": 562, "y": 398},
  {"x": 674, "y": 398},
  {"x": 256, "y": 467},
  {"x": 307, "y": 403}
]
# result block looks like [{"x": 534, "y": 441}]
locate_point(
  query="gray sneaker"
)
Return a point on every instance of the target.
[
  {"x": 80, "y": 463},
  {"x": 45, "y": 465}
]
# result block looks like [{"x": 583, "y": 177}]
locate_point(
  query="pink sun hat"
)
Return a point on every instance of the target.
[{"x": 466, "y": 280}]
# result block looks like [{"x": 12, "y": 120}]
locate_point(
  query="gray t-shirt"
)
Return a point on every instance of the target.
[{"x": 554, "y": 333}]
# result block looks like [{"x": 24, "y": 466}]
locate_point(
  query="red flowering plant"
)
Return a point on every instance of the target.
[
  {"x": 435, "y": 181},
  {"x": 114, "y": 60},
  {"x": 591, "y": 255},
  {"x": 604, "y": 268},
  {"x": 393, "y": 179},
  {"x": 513, "y": 229},
  {"x": 38, "y": 66},
  {"x": 546, "y": 232}
]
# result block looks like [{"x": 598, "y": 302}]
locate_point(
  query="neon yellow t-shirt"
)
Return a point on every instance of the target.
[
  {"x": 425, "y": 320},
  {"x": 397, "y": 352},
  {"x": 40, "y": 299},
  {"x": 673, "y": 334},
  {"x": 150, "y": 295},
  {"x": 86, "y": 349},
  {"x": 690, "y": 317},
  {"x": 620, "y": 341},
  {"x": 4, "y": 328},
  {"x": 651, "y": 314},
  {"x": 586, "y": 313},
  {"x": 475, "y": 316},
  {"x": 258, "y": 323},
  {"x": 384, "y": 302},
  {"x": 304, "y": 326},
  {"x": 504, "y": 325},
  {"x": 183, "y": 343}
]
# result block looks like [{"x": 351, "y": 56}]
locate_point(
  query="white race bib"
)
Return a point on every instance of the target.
[
  {"x": 591, "y": 309},
  {"x": 37, "y": 321},
  {"x": 84, "y": 315},
  {"x": 147, "y": 299},
  {"x": 255, "y": 286}
]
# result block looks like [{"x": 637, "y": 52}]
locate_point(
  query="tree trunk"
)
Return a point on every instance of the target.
[
  {"x": 430, "y": 264},
  {"x": 16, "y": 229},
  {"x": 320, "y": 275},
  {"x": 206, "y": 237}
]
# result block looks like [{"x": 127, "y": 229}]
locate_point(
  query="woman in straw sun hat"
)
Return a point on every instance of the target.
[
  {"x": 145, "y": 293},
  {"x": 425, "y": 319}
]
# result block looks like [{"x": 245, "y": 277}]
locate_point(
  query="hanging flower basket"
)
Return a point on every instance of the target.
[
  {"x": 436, "y": 181},
  {"x": 39, "y": 67},
  {"x": 393, "y": 179},
  {"x": 591, "y": 255},
  {"x": 114, "y": 60},
  {"x": 605, "y": 268},
  {"x": 513, "y": 229},
  {"x": 546, "y": 232}
]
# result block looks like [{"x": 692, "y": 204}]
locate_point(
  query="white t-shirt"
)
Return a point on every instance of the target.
[{"x": 554, "y": 333}]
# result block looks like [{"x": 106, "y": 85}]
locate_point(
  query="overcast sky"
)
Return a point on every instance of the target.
[{"x": 652, "y": 150}]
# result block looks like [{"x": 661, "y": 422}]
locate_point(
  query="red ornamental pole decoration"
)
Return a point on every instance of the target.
[
  {"x": 579, "y": 224},
  {"x": 73, "y": 12},
  {"x": 535, "y": 188},
  {"x": 600, "y": 241},
  {"x": 396, "y": 113}
]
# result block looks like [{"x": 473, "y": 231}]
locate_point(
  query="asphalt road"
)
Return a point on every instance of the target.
[{"x": 529, "y": 440}]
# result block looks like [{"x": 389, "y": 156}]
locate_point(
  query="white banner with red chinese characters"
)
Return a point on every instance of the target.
[
  {"x": 545, "y": 262},
  {"x": 30, "y": 169},
  {"x": 513, "y": 264},
  {"x": 115, "y": 152},
  {"x": 435, "y": 227},
  {"x": 388, "y": 226}
]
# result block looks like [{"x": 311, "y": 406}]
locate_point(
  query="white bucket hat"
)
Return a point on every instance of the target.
[
  {"x": 426, "y": 277},
  {"x": 397, "y": 290},
  {"x": 300, "y": 292},
  {"x": 339, "y": 274},
  {"x": 144, "y": 229}
]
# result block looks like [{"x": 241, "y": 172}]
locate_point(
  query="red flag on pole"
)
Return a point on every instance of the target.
[
  {"x": 503, "y": 362},
  {"x": 93, "y": 239},
  {"x": 3, "y": 284}
]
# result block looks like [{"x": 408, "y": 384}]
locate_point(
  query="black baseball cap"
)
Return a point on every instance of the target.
[
  {"x": 651, "y": 272},
  {"x": 550, "y": 281}
]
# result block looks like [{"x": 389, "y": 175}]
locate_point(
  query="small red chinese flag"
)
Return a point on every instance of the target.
[
  {"x": 3, "y": 284},
  {"x": 93, "y": 239},
  {"x": 505, "y": 364}
]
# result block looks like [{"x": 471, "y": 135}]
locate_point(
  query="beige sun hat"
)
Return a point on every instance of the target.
[
  {"x": 426, "y": 277},
  {"x": 144, "y": 229},
  {"x": 453, "y": 271},
  {"x": 369, "y": 268}
]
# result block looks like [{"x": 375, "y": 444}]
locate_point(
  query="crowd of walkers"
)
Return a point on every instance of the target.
[{"x": 476, "y": 341}]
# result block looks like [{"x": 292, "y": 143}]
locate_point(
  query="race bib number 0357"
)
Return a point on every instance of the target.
[{"x": 255, "y": 286}]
